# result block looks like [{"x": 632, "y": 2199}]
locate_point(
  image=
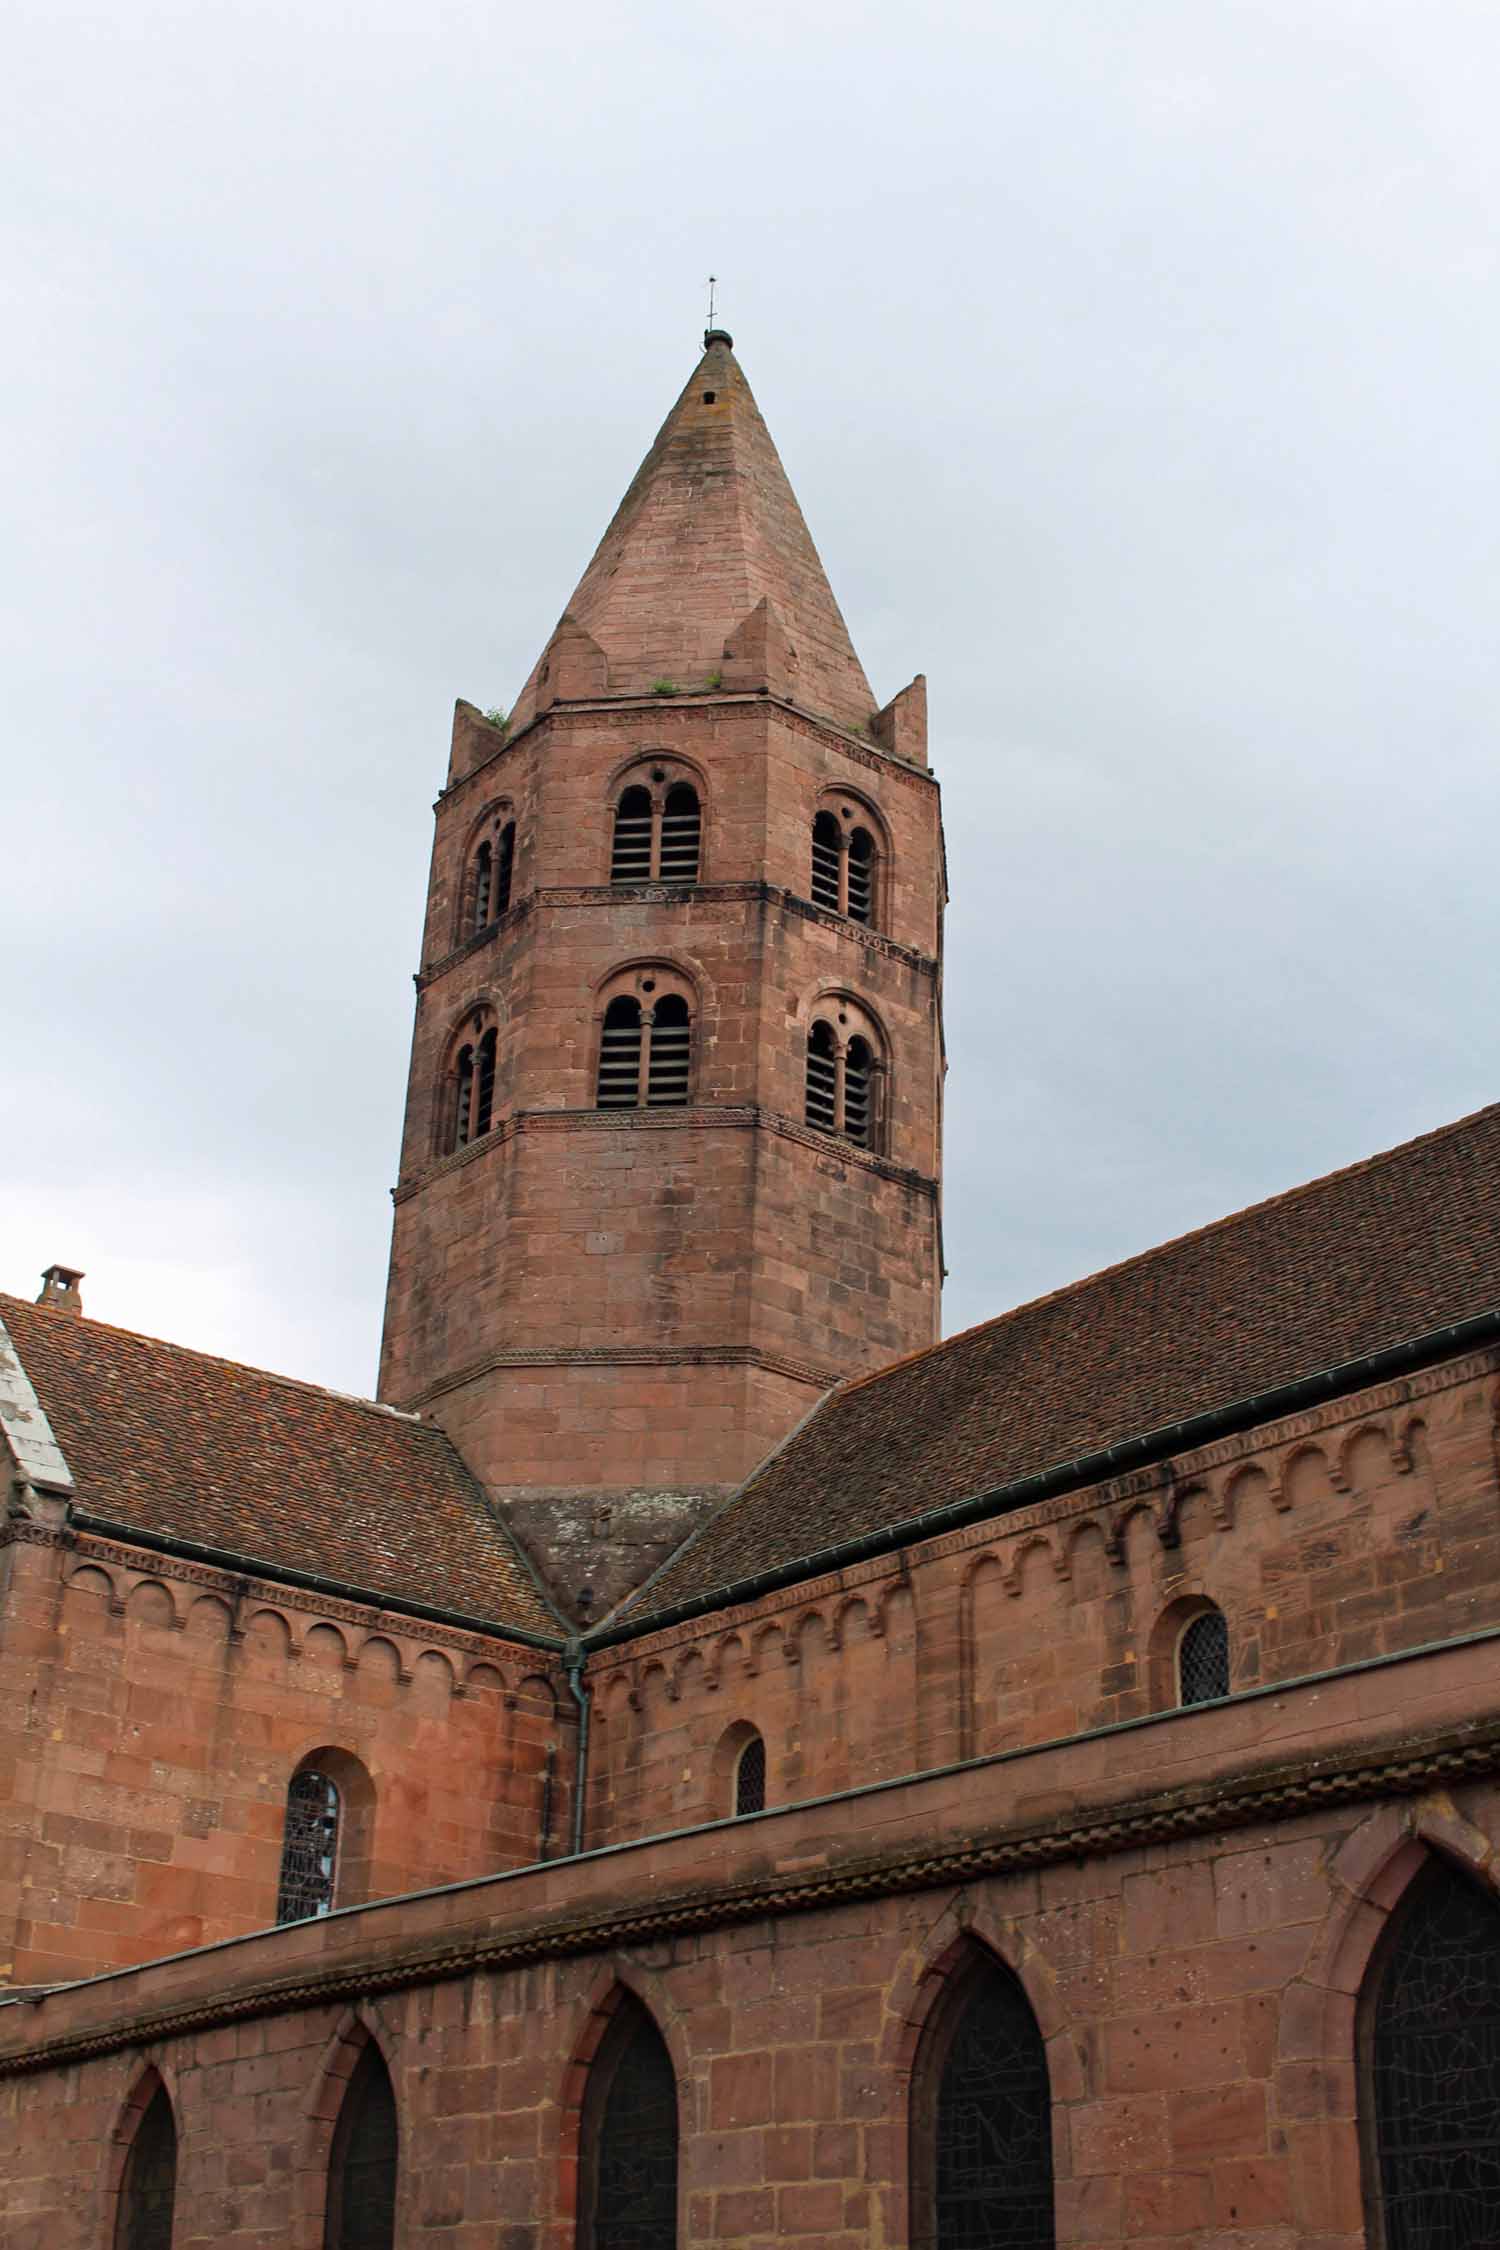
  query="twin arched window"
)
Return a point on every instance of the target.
[
  {"x": 844, "y": 862},
  {"x": 841, "y": 1080},
  {"x": 658, "y": 835},
  {"x": 645, "y": 1050},
  {"x": 488, "y": 880},
  {"x": 468, "y": 1110}
]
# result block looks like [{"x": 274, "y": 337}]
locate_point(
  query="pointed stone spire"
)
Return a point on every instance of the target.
[{"x": 708, "y": 539}]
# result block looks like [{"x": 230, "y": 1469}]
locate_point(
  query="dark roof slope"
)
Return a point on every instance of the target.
[
  {"x": 1389, "y": 1251},
  {"x": 171, "y": 1441}
]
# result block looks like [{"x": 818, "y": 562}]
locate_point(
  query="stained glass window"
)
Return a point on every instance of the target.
[
  {"x": 310, "y": 1847},
  {"x": 148, "y": 2189},
  {"x": 1435, "y": 2067},
  {"x": 629, "y": 2172},
  {"x": 990, "y": 2172},
  {"x": 362, "y": 2175}
]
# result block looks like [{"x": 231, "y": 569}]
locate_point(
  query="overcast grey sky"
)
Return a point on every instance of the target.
[{"x": 1136, "y": 367}]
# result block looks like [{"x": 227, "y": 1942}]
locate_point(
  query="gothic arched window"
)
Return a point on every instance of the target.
[
  {"x": 1431, "y": 2041},
  {"x": 841, "y": 1088},
  {"x": 627, "y": 2177},
  {"x": 148, "y": 2185},
  {"x": 309, "y": 1847},
  {"x": 750, "y": 1778},
  {"x": 362, "y": 2168},
  {"x": 981, "y": 2122},
  {"x": 645, "y": 1045},
  {"x": 1203, "y": 1659}
]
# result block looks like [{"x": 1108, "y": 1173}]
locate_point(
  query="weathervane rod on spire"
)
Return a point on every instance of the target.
[{"x": 713, "y": 283}]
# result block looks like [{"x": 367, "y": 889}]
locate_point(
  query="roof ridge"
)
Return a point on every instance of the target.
[
  {"x": 1173, "y": 1242},
  {"x": 71, "y": 1321}
]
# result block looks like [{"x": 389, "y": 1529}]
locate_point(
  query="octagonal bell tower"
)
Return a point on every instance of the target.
[{"x": 672, "y": 1145}]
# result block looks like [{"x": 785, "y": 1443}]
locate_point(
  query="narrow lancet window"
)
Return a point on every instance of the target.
[
  {"x": 982, "y": 2123},
  {"x": 362, "y": 2173},
  {"x": 309, "y": 1848},
  {"x": 628, "y": 2173},
  {"x": 148, "y": 2188},
  {"x": 484, "y": 1082},
  {"x": 1432, "y": 2038}
]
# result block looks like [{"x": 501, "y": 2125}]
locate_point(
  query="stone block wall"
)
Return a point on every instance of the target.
[
  {"x": 1191, "y": 1928},
  {"x": 152, "y": 1713},
  {"x": 1370, "y": 1525}
]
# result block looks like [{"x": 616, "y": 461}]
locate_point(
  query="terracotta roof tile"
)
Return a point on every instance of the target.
[
  {"x": 174, "y": 1442},
  {"x": 1379, "y": 1255}
]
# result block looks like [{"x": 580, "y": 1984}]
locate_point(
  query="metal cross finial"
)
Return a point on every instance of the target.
[{"x": 713, "y": 283}]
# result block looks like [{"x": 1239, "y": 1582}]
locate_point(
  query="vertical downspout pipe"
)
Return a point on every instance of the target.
[{"x": 575, "y": 1662}]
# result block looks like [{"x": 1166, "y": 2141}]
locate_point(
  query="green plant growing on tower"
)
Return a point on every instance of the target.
[
  {"x": 714, "y": 680},
  {"x": 498, "y": 719},
  {"x": 664, "y": 687}
]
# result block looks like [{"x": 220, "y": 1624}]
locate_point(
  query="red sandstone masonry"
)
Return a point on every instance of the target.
[
  {"x": 1193, "y": 1996},
  {"x": 149, "y": 1726}
]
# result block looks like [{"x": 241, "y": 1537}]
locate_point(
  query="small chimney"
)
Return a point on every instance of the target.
[{"x": 60, "y": 1289}]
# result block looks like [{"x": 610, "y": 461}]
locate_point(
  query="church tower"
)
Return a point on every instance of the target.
[{"x": 672, "y": 1144}]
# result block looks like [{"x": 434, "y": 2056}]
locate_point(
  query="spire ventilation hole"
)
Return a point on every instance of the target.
[{"x": 709, "y": 397}]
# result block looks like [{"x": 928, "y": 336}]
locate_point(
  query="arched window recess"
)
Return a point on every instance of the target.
[
  {"x": 361, "y": 2210},
  {"x": 468, "y": 1109},
  {"x": 627, "y": 2172},
  {"x": 645, "y": 1043},
  {"x": 489, "y": 876},
  {"x": 1203, "y": 1658},
  {"x": 1429, "y": 2049},
  {"x": 750, "y": 1778},
  {"x": 981, "y": 2118},
  {"x": 843, "y": 1083},
  {"x": 658, "y": 832},
  {"x": 148, "y": 2184},
  {"x": 325, "y": 1838},
  {"x": 846, "y": 859}
]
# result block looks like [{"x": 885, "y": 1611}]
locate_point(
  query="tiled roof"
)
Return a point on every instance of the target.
[
  {"x": 173, "y": 1442},
  {"x": 1365, "y": 1260}
]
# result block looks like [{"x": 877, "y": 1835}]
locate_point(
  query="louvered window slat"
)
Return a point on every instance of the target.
[
  {"x": 822, "y": 1080},
  {"x": 825, "y": 862},
  {"x": 857, "y": 1093},
  {"x": 484, "y": 1084},
  {"x": 631, "y": 859},
  {"x": 505, "y": 868},
  {"x": 861, "y": 876},
  {"x": 667, "y": 1083},
  {"x": 681, "y": 835},
  {"x": 464, "y": 1118},
  {"x": 483, "y": 884},
  {"x": 619, "y": 1085}
]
